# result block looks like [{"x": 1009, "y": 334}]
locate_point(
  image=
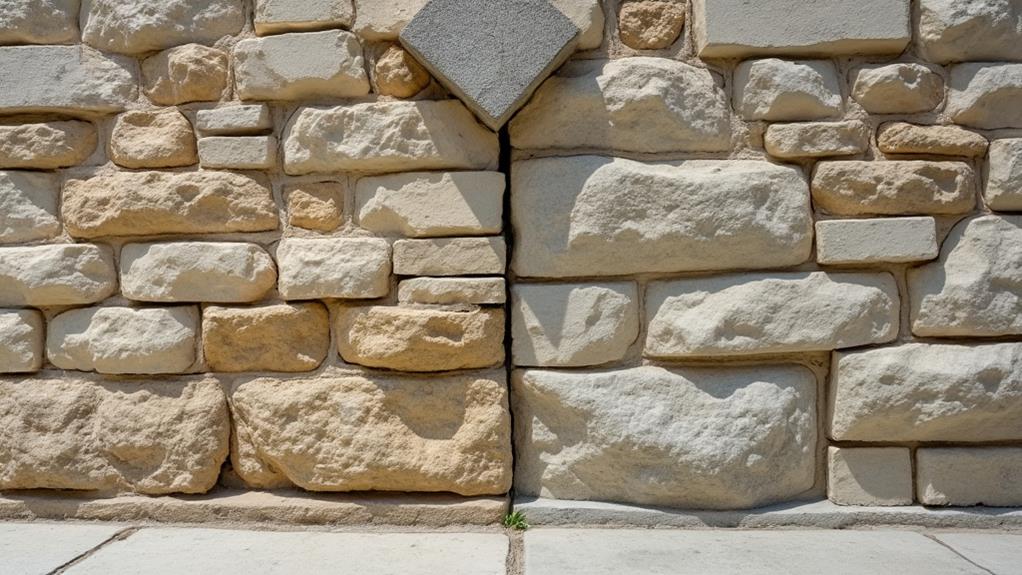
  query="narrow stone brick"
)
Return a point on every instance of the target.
[
  {"x": 238, "y": 153},
  {"x": 450, "y": 257},
  {"x": 245, "y": 120},
  {"x": 39, "y": 22},
  {"x": 214, "y": 272},
  {"x": 817, "y": 140},
  {"x": 277, "y": 16},
  {"x": 344, "y": 268},
  {"x": 133, "y": 28},
  {"x": 870, "y": 476},
  {"x": 279, "y": 337},
  {"x": 430, "y": 204},
  {"x": 903, "y": 138},
  {"x": 448, "y": 291},
  {"x": 894, "y": 240},
  {"x": 22, "y": 332},
  {"x": 970, "y": 476}
]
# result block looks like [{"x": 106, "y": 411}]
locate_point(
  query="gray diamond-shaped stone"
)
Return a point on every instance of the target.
[{"x": 490, "y": 53}]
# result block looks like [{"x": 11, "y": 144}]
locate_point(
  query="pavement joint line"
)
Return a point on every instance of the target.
[
  {"x": 119, "y": 536},
  {"x": 515, "y": 552},
  {"x": 936, "y": 540}
]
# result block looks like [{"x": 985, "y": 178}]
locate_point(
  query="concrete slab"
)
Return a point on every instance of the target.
[
  {"x": 31, "y": 548},
  {"x": 996, "y": 552},
  {"x": 175, "y": 551},
  {"x": 611, "y": 552}
]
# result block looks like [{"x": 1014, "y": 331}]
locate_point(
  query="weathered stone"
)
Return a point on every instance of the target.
[
  {"x": 384, "y": 19},
  {"x": 277, "y": 16},
  {"x": 894, "y": 188},
  {"x": 148, "y": 203},
  {"x": 448, "y": 291},
  {"x": 21, "y": 340},
  {"x": 28, "y": 206},
  {"x": 151, "y": 437},
  {"x": 280, "y": 337},
  {"x": 752, "y": 314},
  {"x": 315, "y": 206},
  {"x": 124, "y": 340},
  {"x": 904, "y": 138},
  {"x": 238, "y": 153},
  {"x": 587, "y": 15},
  {"x": 429, "y": 204},
  {"x": 346, "y": 268},
  {"x": 987, "y": 96},
  {"x": 450, "y": 257},
  {"x": 970, "y": 476},
  {"x": 190, "y": 73},
  {"x": 785, "y": 91},
  {"x": 65, "y": 78},
  {"x": 923, "y": 392},
  {"x": 358, "y": 433},
  {"x": 690, "y": 438},
  {"x": 873, "y": 476},
  {"x": 975, "y": 289},
  {"x": 145, "y": 139},
  {"x": 650, "y": 24},
  {"x": 331, "y": 67},
  {"x": 65, "y": 274},
  {"x": 634, "y": 104},
  {"x": 897, "y": 88},
  {"x": 1004, "y": 181},
  {"x": 870, "y": 241},
  {"x": 388, "y": 136},
  {"x": 396, "y": 73},
  {"x": 961, "y": 30},
  {"x": 817, "y": 140},
  {"x": 39, "y": 22},
  {"x": 234, "y": 120},
  {"x": 214, "y": 272},
  {"x": 46, "y": 146},
  {"x": 576, "y": 216},
  {"x": 421, "y": 339},
  {"x": 132, "y": 28}
]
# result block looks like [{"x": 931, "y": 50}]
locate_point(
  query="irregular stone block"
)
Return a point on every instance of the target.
[
  {"x": 428, "y": 204},
  {"x": 51, "y": 275},
  {"x": 21, "y": 340},
  {"x": 346, "y": 268},
  {"x": 122, "y": 340},
  {"x": 817, "y": 140},
  {"x": 1004, "y": 181},
  {"x": 315, "y": 206},
  {"x": 870, "y": 476},
  {"x": 448, "y": 291},
  {"x": 39, "y": 22},
  {"x": 690, "y": 438},
  {"x": 245, "y": 120},
  {"x": 46, "y": 146},
  {"x": 65, "y": 78},
  {"x": 277, "y": 16},
  {"x": 128, "y": 27},
  {"x": 214, "y": 272},
  {"x": 785, "y": 91},
  {"x": 421, "y": 339},
  {"x": 571, "y": 325},
  {"x": 450, "y": 257},
  {"x": 987, "y": 96},
  {"x": 633, "y": 104},
  {"x": 896, "y": 240},
  {"x": 375, "y": 433},
  {"x": 396, "y": 73},
  {"x": 587, "y": 15},
  {"x": 924, "y": 392},
  {"x": 377, "y": 20},
  {"x": 752, "y": 314},
  {"x": 388, "y": 136},
  {"x": 280, "y": 337},
  {"x": 904, "y": 138},
  {"x": 332, "y": 67},
  {"x": 975, "y": 289},
  {"x": 894, "y": 188},
  {"x": 190, "y": 73},
  {"x": 897, "y": 88},
  {"x": 574, "y": 216},
  {"x": 144, "y": 139},
  {"x": 148, "y": 203},
  {"x": 151, "y": 437},
  {"x": 650, "y": 24},
  {"x": 238, "y": 153},
  {"x": 28, "y": 206},
  {"x": 962, "y": 30},
  {"x": 970, "y": 476}
]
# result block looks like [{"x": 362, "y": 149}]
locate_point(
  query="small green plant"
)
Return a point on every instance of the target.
[{"x": 516, "y": 520}]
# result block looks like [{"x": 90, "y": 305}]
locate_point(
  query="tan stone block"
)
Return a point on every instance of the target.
[
  {"x": 448, "y": 291},
  {"x": 189, "y": 73},
  {"x": 134, "y": 28},
  {"x": 52, "y": 275},
  {"x": 146, "y": 139},
  {"x": 894, "y": 188},
  {"x": 870, "y": 476},
  {"x": 235, "y": 120},
  {"x": 897, "y": 88},
  {"x": 817, "y": 140},
  {"x": 985, "y": 95},
  {"x": 277, "y": 16},
  {"x": 650, "y": 24},
  {"x": 280, "y": 337},
  {"x": 344, "y": 268},
  {"x": 315, "y": 206},
  {"x": 46, "y": 146},
  {"x": 332, "y": 67},
  {"x": 450, "y": 257},
  {"x": 787, "y": 91},
  {"x": 396, "y": 73},
  {"x": 21, "y": 340},
  {"x": 970, "y": 476},
  {"x": 28, "y": 206},
  {"x": 904, "y": 138},
  {"x": 39, "y": 22},
  {"x": 384, "y": 19}
]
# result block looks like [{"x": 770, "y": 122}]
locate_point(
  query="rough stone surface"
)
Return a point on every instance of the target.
[
  {"x": 571, "y": 325},
  {"x": 872, "y": 476},
  {"x": 315, "y": 206},
  {"x": 382, "y": 433},
  {"x": 987, "y": 96},
  {"x": 817, "y": 140},
  {"x": 144, "y": 139},
  {"x": 1004, "y": 181},
  {"x": 897, "y": 88},
  {"x": 785, "y": 91},
  {"x": 46, "y": 146},
  {"x": 448, "y": 291},
  {"x": 67, "y": 274},
  {"x": 587, "y": 15},
  {"x": 151, "y": 437},
  {"x": 347, "y": 268},
  {"x": 39, "y": 22},
  {"x": 924, "y": 392},
  {"x": 896, "y": 240},
  {"x": 650, "y": 24},
  {"x": 244, "y": 120},
  {"x": 961, "y": 30},
  {"x": 279, "y": 337},
  {"x": 124, "y": 340},
  {"x": 384, "y": 19},
  {"x": 65, "y": 78},
  {"x": 904, "y": 138},
  {"x": 975, "y": 289},
  {"x": 576, "y": 217},
  {"x": 781, "y": 313},
  {"x": 397, "y": 73},
  {"x": 277, "y": 16},
  {"x": 690, "y": 438},
  {"x": 450, "y": 257},
  {"x": 215, "y": 272},
  {"x": 129, "y": 27},
  {"x": 238, "y": 153},
  {"x": 21, "y": 340},
  {"x": 634, "y": 104},
  {"x": 190, "y": 73},
  {"x": 331, "y": 66},
  {"x": 147, "y": 203},
  {"x": 970, "y": 476},
  {"x": 28, "y": 206},
  {"x": 894, "y": 188}
]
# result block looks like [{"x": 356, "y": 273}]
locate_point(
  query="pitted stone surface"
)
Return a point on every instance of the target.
[
  {"x": 330, "y": 66},
  {"x": 46, "y": 146},
  {"x": 65, "y": 78},
  {"x": 276, "y": 16},
  {"x": 28, "y": 206},
  {"x": 962, "y": 30},
  {"x": 894, "y": 188},
  {"x": 215, "y": 272},
  {"x": 132, "y": 27},
  {"x": 346, "y": 268},
  {"x": 279, "y": 337},
  {"x": 39, "y": 22},
  {"x": 450, "y": 257},
  {"x": 650, "y": 24},
  {"x": 1004, "y": 182},
  {"x": 190, "y": 73},
  {"x": 986, "y": 95},
  {"x": 970, "y": 476},
  {"x": 874, "y": 476},
  {"x": 897, "y": 88},
  {"x": 66, "y": 274},
  {"x": 144, "y": 139},
  {"x": 785, "y": 91},
  {"x": 21, "y": 340},
  {"x": 817, "y": 140}
]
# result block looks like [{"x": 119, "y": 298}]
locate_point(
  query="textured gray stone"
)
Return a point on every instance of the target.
[
  {"x": 21, "y": 340},
  {"x": 38, "y": 21},
  {"x": 876, "y": 240},
  {"x": 65, "y": 78},
  {"x": 131, "y": 27},
  {"x": 63, "y": 274},
  {"x": 986, "y": 95},
  {"x": 234, "y": 120},
  {"x": 963, "y": 30},
  {"x": 1004, "y": 183},
  {"x": 817, "y": 139},
  {"x": 970, "y": 476},
  {"x": 28, "y": 206}
]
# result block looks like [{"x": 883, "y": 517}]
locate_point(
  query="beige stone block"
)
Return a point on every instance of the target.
[
  {"x": 970, "y": 476},
  {"x": 896, "y": 240},
  {"x": 214, "y": 272},
  {"x": 786, "y": 91},
  {"x": 900, "y": 88},
  {"x": 450, "y": 257},
  {"x": 587, "y": 15},
  {"x": 384, "y": 19},
  {"x": 28, "y": 206},
  {"x": 146, "y": 139},
  {"x": 344, "y": 268},
  {"x": 315, "y": 206},
  {"x": 52, "y": 275},
  {"x": 397, "y": 73},
  {"x": 894, "y": 188},
  {"x": 904, "y": 138},
  {"x": 39, "y": 22},
  {"x": 21, "y": 340},
  {"x": 985, "y": 95},
  {"x": 46, "y": 146},
  {"x": 450, "y": 291},
  {"x": 277, "y": 16},
  {"x": 65, "y": 79},
  {"x": 962, "y": 30},
  {"x": 278, "y": 337},
  {"x": 245, "y": 120},
  {"x": 238, "y": 153},
  {"x": 332, "y": 66},
  {"x": 1004, "y": 181},
  {"x": 130, "y": 28},
  {"x": 869, "y": 476},
  {"x": 817, "y": 140},
  {"x": 650, "y": 24},
  {"x": 189, "y": 73}
]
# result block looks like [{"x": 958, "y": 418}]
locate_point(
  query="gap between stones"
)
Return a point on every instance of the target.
[{"x": 504, "y": 166}]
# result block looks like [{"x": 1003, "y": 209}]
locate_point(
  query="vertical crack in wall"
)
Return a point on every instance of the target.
[{"x": 504, "y": 138}]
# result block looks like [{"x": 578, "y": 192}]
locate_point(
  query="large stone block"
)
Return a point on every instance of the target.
[
  {"x": 21, "y": 340},
  {"x": 986, "y": 95},
  {"x": 131, "y": 27},
  {"x": 577, "y": 216},
  {"x": 374, "y": 433},
  {"x": 65, "y": 274},
  {"x": 873, "y": 476},
  {"x": 146, "y": 139},
  {"x": 786, "y": 91},
  {"x": 28, "y": 206},
  {"x": 65, "y": 78},
  {"x": 876, "y": 240},
  {"x": 894, "y": 188},
  {"x": 693, "y": 438},
  {"x": 962, "y": 30},
  {"x": 347, "y": 268},
  {"x": 450, "y": 257},
  {"x": 430, "y": 204},
  {"x": 384, "y": 19},
  {"x": 39, "y": 22},
  {"x": 46, "y": 146},
  {"x": 280, "y": 337},
  {"x": 276, "y": 16},
  {"x": 633, "y": 104},
  {"x": 214, "y": 272},
  {"x": 1004, "y": 182},
  {"x": 970, "y": 476},
  {"x": 778, "y": 313},
  {"x": 331, "y": 67},
  {"x": 924, "y": 392},
  {"x": 189, "y": 73},
  {"x": 897, "y": 88},
  {"x": 151, "y": 437}
]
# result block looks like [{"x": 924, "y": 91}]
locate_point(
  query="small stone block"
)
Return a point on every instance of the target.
[
  {"x": 21, "y": 340},
  {"x": 895, "y": 240},
  {"x": 448, "y": 291},
  {"x": 277, "y": 16},
  {"x": 1004, "y": 184},
  {"x": 234, "y": 120},
  {"x": 870, "y": 476},
  {"x": 970, "y": 476},
  {"x": 245, "y": 153},
  {"x": 450, "y": 257}
]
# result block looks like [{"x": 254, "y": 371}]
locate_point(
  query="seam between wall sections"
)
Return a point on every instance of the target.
[{"x": 505, "y": 162}]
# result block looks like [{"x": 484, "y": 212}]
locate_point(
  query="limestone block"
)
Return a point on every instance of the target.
[
  {"x": 975, "y": 289},
  {"x": 576, "y": 216},
  {"x": 450, "y": 257},
  {"x": 421, "y": 339},
  {"x": 277, "y": 16},
  {"x": 124, "y": 340},
  {"x": 215, "y": 272},
  {"x": 315, "y": 206},
  {"x": 51, "y": 275},
  {"x": 752, "y": 314},
  {"x": 149, "y": 203},
  {"x": 449, "y": 291},
  {"x": 28, "y": 206},
  {"x": 870, "y": 241},
  {"x": 962, "y": 30},
  {"x": 905, "y": 138},
  {"x": 145, "y": 139},
  {"x": 46, "y": 146},
  {"x": 246, "y": 120},
  {"x": 970, "y": 476},
  {"x": 871, "y": 476},
  {"x": 695, "y": 438},
  {"x": 587, "y": 15},
  {"x": 279, "y": 337},
  {"x": 897, "y": 88},
  {"x": 21, "y": 340},
  {"x": 39, "y": 22},
  {"x": 634, "y": 104},
  {"x": 238, "y": 152},
  {"x": 650, "y": 24},
  {"x": 1004, "y": 182},
  {"x": 374, "y": 433},
  {"x": 926, "y": 392},
  {"x": 331, "y": 66},
  {"x": 65, "y": 78},
  {"x": 346, "y": 268},
  {"x": 151, "y": 437},
  {"x": 987, "y": 96},
  {"x": 190, "y": 73},
  {"x": 384, "y": 19},
  {"x": 785, "y": 91},
  {"x": 894, "y": 188},
  {"x": 397, "y": 73},
  {"x": 430, "y": 204},
  {"x": 129, "y": 27},
  {"x": 738, "y": 28},
  {"x": 388, "y": 136},
  {"x": 817, "y": 140}
]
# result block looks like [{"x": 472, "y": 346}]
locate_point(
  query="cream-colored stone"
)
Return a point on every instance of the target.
[
  {"x": 345, "y": 268},
  {"x": 65, "y": 79},
  {"x": 960, "y": 30},
  {"x": 449, "y": 291},
  {"x": 970, "y": 476},
  {"x": 986, "y": 95},
  {"x": 131, "y": 27},
  {"x": 894, "y": 188},
  {"x": 900, "y": 88},
  {"x": 384, "y": 19},
  {"x": 315, "y": 205},
  {"x": 587, "y": 15},
  {"x": 396, "y": 73},
  {"x": 238, "y": 153},
  {"x": 277, "y": 16},
  {"x": 904, "y": 138},
  {"x": 787, "y": 91},
  {"x": 450, "y": 257},
  {"x": 46, "y": 146},
  {"x": 21, "y": 340},
  {"x": 64, "y": 274},
  {"x": 1004, "y": 182},
  {"x": 330, "y": 66},
  {"x": 190, "y": 73},
  {"x": 876, "y": 240},
  {"x": 279, "y": 337},
  {"x": 817, "y": 140},
  {"x": 247, "y": 120},
  {"x": 650, "y": 24},
  {"x": 872, "y": 476},
  {"x": 28, "y": 206},
  {"x": 215, "y": 272},
  {"x": 39, "y": 22},
  {"x": 146, "y": 139}
]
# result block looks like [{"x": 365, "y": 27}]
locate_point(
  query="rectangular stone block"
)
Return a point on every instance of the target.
[
  {"x": 28, "y": 206},
  {"x": 450, "y": 257},
  {"x": 21, "y": 340},
  {"x": 279, "y": 337},
  {"x": 447, "y": 291},
  {"x": 817, "y": 139},
  {"x": 46, "y": 146},
  {"x": 870, "y": 476},
  {"x": 315, "y": 205},
  {"x": 345, "y": 268},
  {"x": 985, "y": 95},
  {"x": 331, "y": 66},
  {"x": 277, "y": 16},
  {"x": 969, "y": 476},
  {"x": 1004, "y": 182},
  {"x": 787, "y": 91},
  {"x": 39, "y": 22},
  {"x": 51, "y": 275},
  {"x": 129, "y": 28},
  {"x": 905, "y": 138},
  {"x": 238, "y": 153},
  {"x": 895, "y": 240},
  {"x": 234, "y": 120},
  {"x": 213, "y": 272},
  {"x": 963, "y": 30},
  {"x": 65, "y": 78},
  {"x": 894, "y": 188}
]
